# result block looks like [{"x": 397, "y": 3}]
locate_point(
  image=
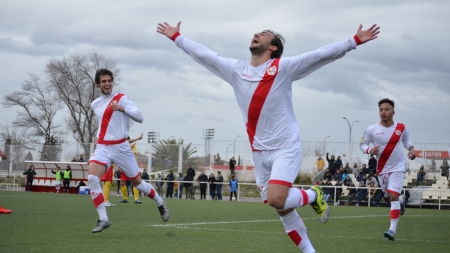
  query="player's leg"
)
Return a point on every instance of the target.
[
  {"x": 123, "y": 187},
  {"x": 96, "y": 170},
  {"x": 136, "y": 196},
  {"x": 107, "y": 192}
]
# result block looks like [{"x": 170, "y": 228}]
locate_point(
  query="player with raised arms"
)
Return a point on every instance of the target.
[
  {"x": 114, "y": 111},
  {"x": 263, "y": 89},
  {"x": 387, "y": 137}
]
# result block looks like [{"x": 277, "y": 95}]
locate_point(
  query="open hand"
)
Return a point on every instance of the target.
[
  {"x": 168, "y": 30},
  {"x": 369, "y": 34}
]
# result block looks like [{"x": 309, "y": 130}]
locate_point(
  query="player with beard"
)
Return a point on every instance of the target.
[
  {"x": 387, "y": 137},
  {"x": 263, "y": 89},
  {"x": 114, "y": 111}
]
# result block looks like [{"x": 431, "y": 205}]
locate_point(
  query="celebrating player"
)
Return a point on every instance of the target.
[
  {"x": 387, "y": 137},
  {"x": 263, "y": 89},
  {"x": 114, "y": 111}
]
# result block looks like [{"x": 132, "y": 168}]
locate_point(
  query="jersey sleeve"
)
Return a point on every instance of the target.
[
  {"x": 304, "y": 64},
  {"x": 365, "y": 141},
  {"x": 407, "y": 143},
  {"x": 131, "y": 110},
  {"x": 220, "y": 66}
]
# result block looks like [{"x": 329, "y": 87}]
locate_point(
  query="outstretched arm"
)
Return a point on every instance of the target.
[
  {"x": 366, "y": 35},
  {"x": 135, "y": 139}
]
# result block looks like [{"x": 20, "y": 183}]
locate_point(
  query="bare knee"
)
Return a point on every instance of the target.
[
  {"x": 276, "y": 201},
  {"x": 277, "y": 195}
]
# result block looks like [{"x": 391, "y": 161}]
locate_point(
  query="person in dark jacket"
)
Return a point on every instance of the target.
[
  {"x": 337, "y": 176},
  {"x": 359, "y": 176},
  {"x": 202, "y": 180},
  {"x": 187, "y": 184},
  {"x": 219, "y": 180},
  {"x": 372, "y": 164},
  {"x": 144, "y": 176},
  {"x": 327, "y": 190},
  {"x": 338, "y": 163},
  {"x": 331, "y": 164},
  {"x": 328, "y": 175},
  {"x": 30, "y": 177},
  {"x": 212, "y": 186},
  {"x": 169, "y": 178},
  {"x": 361, "y": 193},
  {"x": 338, "y": 186},
  {"x": 351, "y": 192},
  {"x": 191, "y": 173}
]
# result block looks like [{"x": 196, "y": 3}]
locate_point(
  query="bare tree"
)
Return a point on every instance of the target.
[
  {"x": 16, "y": 145},
  {"x": 39, "y": 106},
  {"x": 73, "y": 79}
]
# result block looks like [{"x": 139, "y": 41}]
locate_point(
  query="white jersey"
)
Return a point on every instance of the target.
[
  {"x": 113, "y": 125},
  {"x": 390, "y": 156},
  {"x": 264, "y": 93}
]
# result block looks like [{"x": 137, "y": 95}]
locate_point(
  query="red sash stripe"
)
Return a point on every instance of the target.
[
  {"x": 258, "y": 99},
  {"x": 390, "y": 146},
  {"x": 107, "y": 117}
]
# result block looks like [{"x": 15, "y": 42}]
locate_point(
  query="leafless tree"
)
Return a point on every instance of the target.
[
  {"x": 16, "y": 145},
  {"x": 72, "y": 78},
  {"x": 39, "y": 106}
]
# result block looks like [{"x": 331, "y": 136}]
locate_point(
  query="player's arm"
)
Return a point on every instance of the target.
[
  {"x": 136, "y": 139},
  {"x": 407, "y": 143},
  {"x": 128, "y": 108},
  {"x": 304, "y": 64},
  {"x": 222, "y": 67},
  {"x": 365, "y": 143},
  {"x": 53, "y": 172}
]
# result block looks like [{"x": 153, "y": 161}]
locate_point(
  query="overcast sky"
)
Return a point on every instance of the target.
[{"x": 408, "y": 63}]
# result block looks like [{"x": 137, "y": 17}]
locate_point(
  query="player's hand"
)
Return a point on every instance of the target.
[
  {"x": 168, "y": 30},
  {"x": 375, "y": 150},
  {"x": 115, "y": 107},
  {"x": 369, "y": 34},
  {"x": 140, "y": 137},
  {"x": 411, "y": 155}
]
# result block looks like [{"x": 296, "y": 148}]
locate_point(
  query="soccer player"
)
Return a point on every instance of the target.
[
  {"x": 124, "y": 178},
  {"x": 107, "y": 180},
  {"x": 387, "y": 137},
  {"x": 58, "y": 175},
  {"x": 114, "y": 111},
  {"x": 263, "y": 89},
  {"x": 3, "y": 210}
]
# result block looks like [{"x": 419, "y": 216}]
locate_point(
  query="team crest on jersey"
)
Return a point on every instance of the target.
[
  {"x": 272, "y": 70},
  {"x": 398, "y": 132}
]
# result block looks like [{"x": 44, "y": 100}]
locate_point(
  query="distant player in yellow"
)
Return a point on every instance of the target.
[{"x": 124, "y": 178}]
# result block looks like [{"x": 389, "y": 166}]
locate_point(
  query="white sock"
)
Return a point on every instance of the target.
[
  {"x": 148, "y": 190},
  {"x": 97, "y": 196},
  {"x": 298, "y": 197},
  {"x": 296, "y": 230},
  {"x": 395, "y": 215}
]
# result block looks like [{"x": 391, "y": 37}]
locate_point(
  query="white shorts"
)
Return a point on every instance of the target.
[
  {"x": 119, "y": 154},
  {"x": 392, "y": 182},
  {"x": 57, "y": 182},
  {"x": 280, "y": 166}
]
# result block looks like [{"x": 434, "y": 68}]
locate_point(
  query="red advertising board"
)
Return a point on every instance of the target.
[{"x": 431, "y": 154}]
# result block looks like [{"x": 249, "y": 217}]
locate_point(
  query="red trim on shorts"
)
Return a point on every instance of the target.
[
  {"x": 98, "y": 200},
  {"x": 394, "y": 214},
  {"x": 393, "y": 192},
  {"x": 280, "y": 182},
  {"x": 175, "y": 36},
  {"x": 295, "y": 237},
  {"x": 357, "y": 40},
  {"x": 390, "y": 146},
  {"x": 112, "y": 142},
  {"x": 123, "y": 177},
  {"x": 98, "y": 162},
  {"x": 258, "y": 99},
  {"x": 152, "y": 194},
  {"x": 137, "y": 175},
  {"x": 305, "y": 197},
  {"x": 107, "y": 114}
]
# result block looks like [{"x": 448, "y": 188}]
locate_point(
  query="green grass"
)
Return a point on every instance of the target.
[{"x": 48, "y": 222}]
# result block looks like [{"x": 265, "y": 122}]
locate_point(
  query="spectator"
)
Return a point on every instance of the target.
[
  {"x": 344, "y": 175},
  {"x": 187, "y": 184},
  {"x": 232, "y": 163},
  {"x": 81, "y": 160},
  {"x": 445, "y": 167},
  {"x": 347, "y": 179},
  {"x": 372, "y": 164},
  {"x": 219, "y": 180},
  {"x": 378, "y": 197},
  {"x": 420, "y": 175},
  {"x": 319, "y": 182},
  {"x": 145, "y": 175},
  {"x": 327, "y": 190},
  {"x": 372, "y": 190},
  {"x": 351, "y": 192},
  {"x": 337, "y": 176},
  {"x": 365, "y": 169},
  {"x": 117, "y": 175},
  {"x": 81, "y": 183},
  {"x": 233, "y": 187},
  {"x": 168, "y": 162},
  {"x": 67, "y": 176},
  {"x": 191, "y": 173},
  {"x": 360, "y": 175},
  {"x": 347, "y": 169},
  {"x": 338, "y": 163},
  {"x": 169, "y": 178},
  {"x": 355, "y": 169},
  {"x": 74, "y": 159},
  {"x": 212, "y": 186},
  {"x": 180, "y": 179},
  {"x": 371, "y": 173},
  {"x": 30, "y": 177},
  {"x": 338, "y": 187},
  {"x": 320, "y": 163},
  {"x": 407, "y": 195},
  {"x": 331, "y": 164},
  {"x": 159, "y": 184},
  {"x": 45, "y": 157},
  {"x": 58, "y": 176},
  {"x": 202, "y": 180},
  {"x": 371, "y": 179},
  {"x": 360, "y": 193},
  {"x": 175, "y": 187},
  {"x": 364, "y": 179},
  {"x": 327, "y": 174}
]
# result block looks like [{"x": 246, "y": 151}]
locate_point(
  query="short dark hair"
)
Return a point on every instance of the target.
[
  {"x": 278, "y": 41},
  {"x": 103, "y": 72},
  {"x": 386, "y": 100}
]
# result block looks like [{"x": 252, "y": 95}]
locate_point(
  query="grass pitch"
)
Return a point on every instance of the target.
[{"x": 49, "y": 222}]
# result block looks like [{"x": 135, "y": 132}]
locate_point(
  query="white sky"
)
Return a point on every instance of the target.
[{"x": 408, "y": 63}]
